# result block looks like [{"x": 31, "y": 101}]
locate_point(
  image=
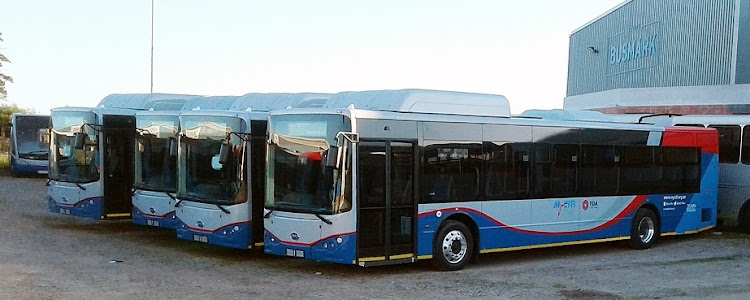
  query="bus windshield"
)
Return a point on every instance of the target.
[
  {"x": 297, "y": 178},
  {"x": 156, "y": 153},
  {"x": 68, "y": 163},
  {"x": 205, "y": 178},
  {"x": 30, "y": 134}
]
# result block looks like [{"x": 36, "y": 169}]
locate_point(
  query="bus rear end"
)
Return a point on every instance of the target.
[{"x": 691, "y": 213}]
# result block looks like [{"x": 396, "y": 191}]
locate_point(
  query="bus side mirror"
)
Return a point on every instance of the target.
[
  {"x": 332, "y": 158},
  {"x": 172, "y": 147},
  {"x": 44, "y": 135},
  {"x": 80, "y": 140},
  {"x": 223, "y": 153}
]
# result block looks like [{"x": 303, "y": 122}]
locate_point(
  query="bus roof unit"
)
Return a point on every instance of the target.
[
  {"x": 424, "y": 101},
  {"x": 568, "y": 115},
  {"x": 145, "y": 101},
  {"x": 268, "y": 102},
  {"x": 257, "y": 102}
]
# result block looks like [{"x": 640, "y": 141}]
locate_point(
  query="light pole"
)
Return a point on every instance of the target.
[{"x": 152, "y": 46}]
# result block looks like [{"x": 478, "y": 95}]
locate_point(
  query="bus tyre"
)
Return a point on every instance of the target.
[
  {"x": 453, "y": 246},
  {"x": 645, "y": 229}
]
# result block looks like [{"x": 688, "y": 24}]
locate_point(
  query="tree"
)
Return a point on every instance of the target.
[
  {"x": 3, "y": 78},
  {"x": 5, "y": 112}
]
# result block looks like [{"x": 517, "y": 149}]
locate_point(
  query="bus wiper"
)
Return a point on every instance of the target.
[
  {"x": 173, "y": 197},
  {"x": 48, "y": 181},
  {"x": 323, "y": 219},
  {"x": 176, "y": 204},
  {"x": 268, "y": 214},
  {"x": 80, "y": 186},
  {"x": 226, "y": 211}
]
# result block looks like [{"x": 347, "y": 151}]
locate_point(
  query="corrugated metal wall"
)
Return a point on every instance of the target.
[
  {"x": 743, "y": 44},
  {"x": 654, "y": 43}
]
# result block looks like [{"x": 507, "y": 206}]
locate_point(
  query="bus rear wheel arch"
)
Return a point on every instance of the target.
[
  {"x": 743, "y": 219},
  {"x": 453, "y": 247},
  {"x": 645, "y": 229}
]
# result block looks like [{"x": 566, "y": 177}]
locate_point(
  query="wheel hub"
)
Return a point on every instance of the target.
[
  {"x": 646, "y": 230},
  {"x": 454, "y": 246}
]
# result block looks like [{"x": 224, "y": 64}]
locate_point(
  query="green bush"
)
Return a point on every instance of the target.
[{"x": 4, "y": 155}]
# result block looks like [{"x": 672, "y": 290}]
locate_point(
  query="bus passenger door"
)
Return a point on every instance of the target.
[
  {"x": 385, "y": 225},
  {"x": 119, "y": 144}
]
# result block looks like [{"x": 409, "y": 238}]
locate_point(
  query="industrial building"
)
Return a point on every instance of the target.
[{"x": 659, "y": 56}]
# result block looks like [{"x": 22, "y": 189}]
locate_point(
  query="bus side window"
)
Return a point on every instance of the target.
[
  {"x": 543, "y": 156},
  {"x": 507, "y": 171},
  {"x": 565, "y": 170},
  {"x": 746, "y": 145},
  {"x": 555, "y": 170},
  {"x": 729, "y": 143},
  {"x": 451, "y": 172},
  {"x": 638, "y": 172},
  {"x": 599, "y": 170},
  {"x": 681, "y": 168}
]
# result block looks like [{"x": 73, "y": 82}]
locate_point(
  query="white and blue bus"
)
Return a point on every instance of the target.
[
  {"x": 155, "y": 178},
  {"x": 91, "y": 155},
  {"x": 221, "y": 163},
  {"x": 423, "y": 175},
  {"x": 734, "y": 162},
  {"x": 155, "y": 169},
  {"x": 29, "y": 144}
]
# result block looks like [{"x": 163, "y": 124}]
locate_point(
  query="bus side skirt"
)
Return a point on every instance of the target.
[{"x": 555, "y": 244}]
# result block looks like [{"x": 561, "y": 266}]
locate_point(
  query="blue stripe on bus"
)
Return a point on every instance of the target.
[
  {"x": 236, "y": 235},
  {"x": 92, "y": 208},
  {"x": 168, "y": 221},
  {"x": 327, "y": 249}
]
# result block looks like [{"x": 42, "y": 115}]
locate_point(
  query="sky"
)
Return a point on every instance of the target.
[{"x": 75, "y": 52}]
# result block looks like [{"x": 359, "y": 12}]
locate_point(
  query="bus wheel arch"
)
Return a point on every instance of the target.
[
  {"x": 13, "y": 169},
  {"x": 645, "y": 228},
  {"x": 455, "y": 231},
  {"x": 743, "y": 218},
  {"x": 652, "y": 207}
]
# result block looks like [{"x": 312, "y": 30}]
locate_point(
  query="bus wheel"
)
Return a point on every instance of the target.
[
  {"x": 645, "y": 229},
  {"x": 453, "y": 247}
]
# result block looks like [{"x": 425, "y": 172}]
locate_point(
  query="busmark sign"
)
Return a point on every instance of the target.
[
  {"x": 639, "y": 48},
  {"x": 636, "y": 48}
]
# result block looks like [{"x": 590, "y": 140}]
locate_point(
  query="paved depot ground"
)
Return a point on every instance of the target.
[{"x": 49, "y": 256}]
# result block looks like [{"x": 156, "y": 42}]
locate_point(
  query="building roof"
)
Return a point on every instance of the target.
[{"x": 601, "y": 16}]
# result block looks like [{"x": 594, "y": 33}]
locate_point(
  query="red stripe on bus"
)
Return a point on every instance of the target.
[
  {"x": 212, "y": 231},
  {"x": 637, "y": 201},
  {"x": 298, "y": 244},
  {"x": 74, "y": 204}
]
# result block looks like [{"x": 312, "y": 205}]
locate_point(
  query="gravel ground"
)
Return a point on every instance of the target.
[{"x": 49, "y": 256}]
